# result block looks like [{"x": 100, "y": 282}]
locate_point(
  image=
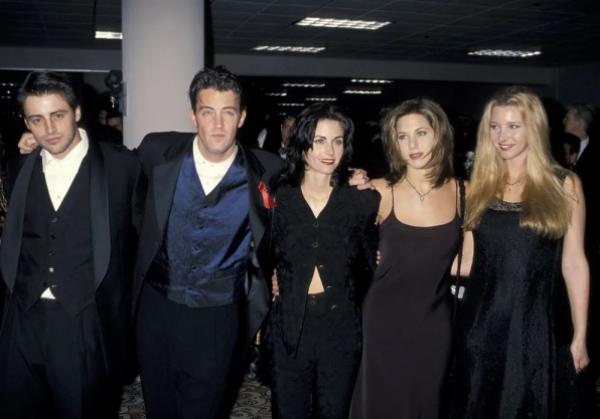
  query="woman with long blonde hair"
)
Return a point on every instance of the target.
[{"x": 527, "y": 215}]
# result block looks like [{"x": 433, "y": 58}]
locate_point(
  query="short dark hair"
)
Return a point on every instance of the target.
[
  {"x": 40, "y": 83},
  {"x": 583, "y": 111},
  {"x": 441, "y": 163},
  {"x": 218, "y": 78},
  {"x": 302, "y": 137}
]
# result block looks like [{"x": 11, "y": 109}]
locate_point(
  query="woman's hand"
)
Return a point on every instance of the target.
[
  {"x": 27, "y": 143},
  {"x": 360, "y": 179},
  {"x": 580, "y": 355},
  {"x": 274, "y": 286}
]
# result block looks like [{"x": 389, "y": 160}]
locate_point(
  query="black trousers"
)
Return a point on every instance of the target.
[
  {"x": 51, "y": 365},
  {"x": 186, "y": 356},
  {"x": 318, "y": 381}
]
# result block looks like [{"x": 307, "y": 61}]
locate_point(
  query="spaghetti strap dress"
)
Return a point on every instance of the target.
[{"x": 407, "y": 327}]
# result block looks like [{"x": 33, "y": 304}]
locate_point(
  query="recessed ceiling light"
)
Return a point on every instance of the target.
[
  {"x": 362, "y": 92},
  {"x": 279, "y": 48},
  {"x": 371, "y": 81},
  {"x": 305, "y": 85},
  {"x": 321, "y": 99},
  {"x": 108, "y": 35},
  {"x": 504, "y": 53},
  {"x": 291, "y": 104},
  {"x": 320, "y": 22}
]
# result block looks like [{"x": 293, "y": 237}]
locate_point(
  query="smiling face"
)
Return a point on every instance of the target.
[
  {"x": 327, "y": 148},
  {"x": 416, "y": 139},
  {"x": 217, "y": 117},
  {"x": 53, "y": 123},
  {"x": 508, "y": 134}
]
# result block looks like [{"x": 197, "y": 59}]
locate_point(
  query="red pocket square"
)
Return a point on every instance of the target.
[{"x": 268, "y": 200}]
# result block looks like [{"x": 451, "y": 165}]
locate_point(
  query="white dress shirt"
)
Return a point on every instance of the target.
[
  {"x": 582, "y": 145},
  {"x": 210, "y": 173},
  {"x": 59, "y": 175}
]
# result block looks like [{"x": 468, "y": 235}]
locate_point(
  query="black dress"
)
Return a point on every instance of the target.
[
  {"x": 315, "y": 340},
  {"x": 511, "y": 363},
  {"x": 407, "y": 331}
]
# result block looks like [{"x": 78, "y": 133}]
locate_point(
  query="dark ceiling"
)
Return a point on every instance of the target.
[{"x": 567, "y": 31}]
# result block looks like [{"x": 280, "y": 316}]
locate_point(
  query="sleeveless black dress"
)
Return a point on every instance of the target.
[
  {"x": 407, "y": 331},
  {"x": 511, "y": 364}
]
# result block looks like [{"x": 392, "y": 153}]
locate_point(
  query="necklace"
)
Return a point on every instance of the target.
[{"x": 421, "y": 195}]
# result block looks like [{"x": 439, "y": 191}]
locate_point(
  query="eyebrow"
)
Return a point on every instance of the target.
[{"x": 41, "y": 115}]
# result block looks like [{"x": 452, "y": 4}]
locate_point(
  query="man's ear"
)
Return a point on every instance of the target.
[
  {"x": 242, "y": 118},
  {"x": 78, "y": 114},
  {"x": 193, "y": 117}
]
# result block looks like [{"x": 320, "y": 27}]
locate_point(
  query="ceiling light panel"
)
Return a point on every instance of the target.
[
  {"x": 305, "y": 85},
  {"x": 362, "y": 92},
  {"x": 280, "y": 48},
  {"x": 371, "y": 81},
  {"x": 108, "y": 35},
  {"x": 505, "y": 53},
  {"x": 319, "y": 22}
]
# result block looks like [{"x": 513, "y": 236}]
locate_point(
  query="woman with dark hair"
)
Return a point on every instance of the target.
[
  {"x": 324, "y": 241},
  {"x": 407, "y": 311}
]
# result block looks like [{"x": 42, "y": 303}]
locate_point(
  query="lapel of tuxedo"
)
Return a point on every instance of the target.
[
  {"x": 12, "y": 237},
  {"x": 165, "y": 180},
  {"x": 258, "y": 212},
  {"x": 99, "y": 213}
]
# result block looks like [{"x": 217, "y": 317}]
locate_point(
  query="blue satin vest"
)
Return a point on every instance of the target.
[{"x": 205, "y": 251}]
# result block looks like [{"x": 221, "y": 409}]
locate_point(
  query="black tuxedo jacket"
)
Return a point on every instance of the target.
[
  {"x": 113, "y": 174},
  {"x": 161, "y": 155},
  {"x": 587, "y": 168}
]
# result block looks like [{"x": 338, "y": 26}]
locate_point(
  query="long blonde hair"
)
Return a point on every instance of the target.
[{"x": 544, "y": 205}]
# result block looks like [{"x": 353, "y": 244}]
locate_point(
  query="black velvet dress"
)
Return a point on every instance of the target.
[{"x": 511, "y": 364}]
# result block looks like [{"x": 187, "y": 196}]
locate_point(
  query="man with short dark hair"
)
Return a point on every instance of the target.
[
  {"x": 199, "y": 285},
  {"x": 66, "y": 260}
]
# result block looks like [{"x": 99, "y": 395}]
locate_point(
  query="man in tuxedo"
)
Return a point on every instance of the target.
[
  {"x": 66, "y": 262},
  {"x": 200, "y": 289}
]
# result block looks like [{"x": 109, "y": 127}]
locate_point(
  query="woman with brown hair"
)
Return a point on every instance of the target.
[
  {"x": 527, "y": 215},
  {"x": 407, "y": 331}
]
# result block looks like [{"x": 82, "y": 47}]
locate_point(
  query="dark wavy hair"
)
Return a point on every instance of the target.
[
  {"x": 302, "y": 137},
  {"x": 40, "y": 83},
  {"x": 441, "y": 155},
  {"x": 218, "y": 78}
]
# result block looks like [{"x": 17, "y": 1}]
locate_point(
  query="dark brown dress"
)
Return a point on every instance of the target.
[{"x": 407, "y": 332}]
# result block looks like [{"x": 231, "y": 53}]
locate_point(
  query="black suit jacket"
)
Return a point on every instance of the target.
[
  {"x": 161, "y": 155},
  {"x": 113, "y": 174},
  {"x": 586, "y": 168}
]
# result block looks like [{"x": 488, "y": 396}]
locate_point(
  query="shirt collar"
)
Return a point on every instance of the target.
[
  {"x": 74, "y": 157},
  {"x": 200, "y": 161}
]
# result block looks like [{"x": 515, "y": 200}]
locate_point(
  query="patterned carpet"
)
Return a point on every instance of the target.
[{"x": 253, "y": 402}]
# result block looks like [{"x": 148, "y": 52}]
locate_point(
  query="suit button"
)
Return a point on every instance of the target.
[
  {"x": 51, "y": 269},
  {"x": 54, "y": 220},
  {"x": 316, "y": 224},
  {"x": 333, "y": 307},
  {"x": 51, "y": 253}
]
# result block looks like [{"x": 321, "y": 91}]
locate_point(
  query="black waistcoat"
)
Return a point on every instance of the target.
[{"x": 57, "y": 245}]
